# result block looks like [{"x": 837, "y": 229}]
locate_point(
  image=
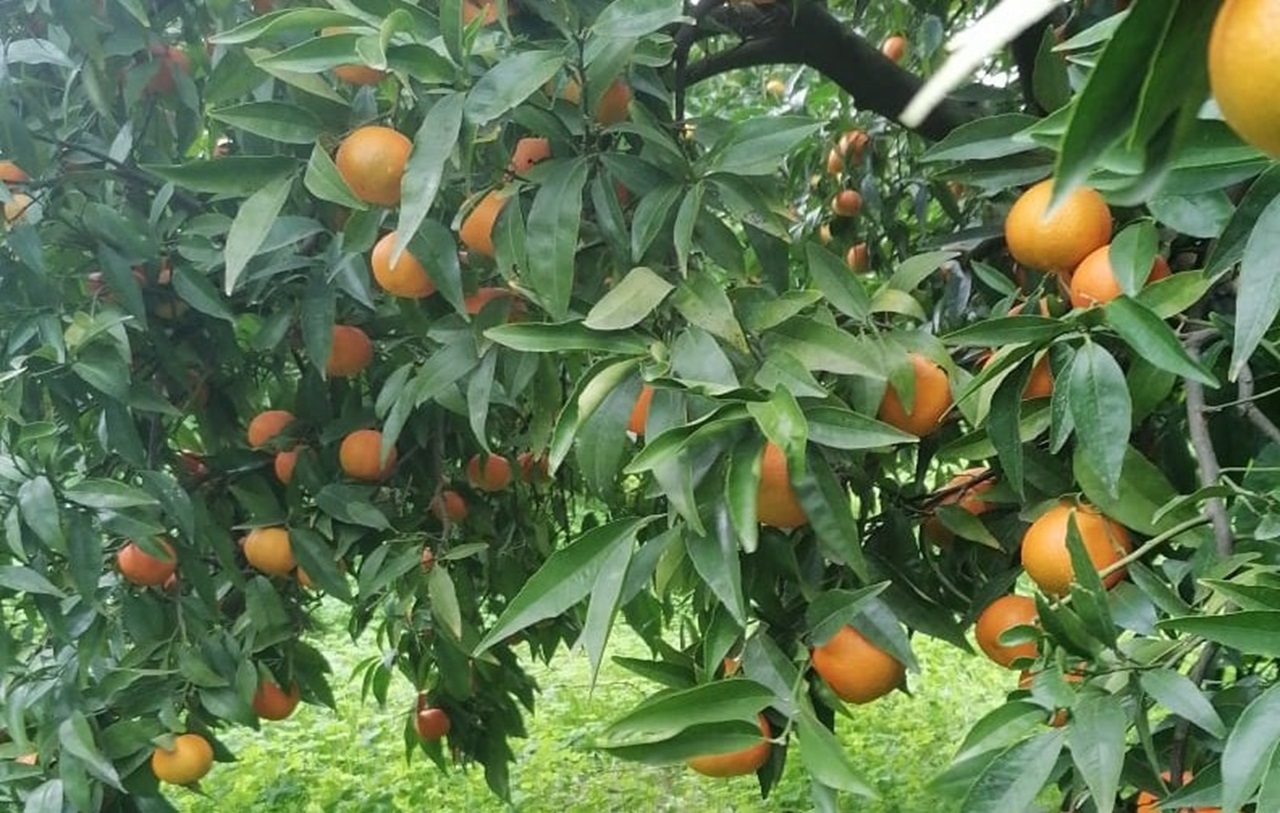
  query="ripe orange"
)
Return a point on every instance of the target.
[
  {"x": 846, "y": 203},
  {"x": 432, "y": 723},
  {"x": 775, "y": 87},
  {"x": 776, "y": 503},
  {"x": 407, "y": 278},
  {"x": 349, "y": 353},
  {"x": 270, "y": 702},
  {"x": 1039, "y": 383},
  {"x": 1243, "y": 65},
  {"x": 483, "y": 296},
  {"x": 1058, "y": 241},
  {"x": 266, "y": 425},
  {"x": 640, "y": 412},
  {"x": 141, "y": 568},
  {"x": 895, "y": 47},
  {"x": 449, "y": 505},
  {"x": 855, "y": 669},
  {"x": 835, "y": 162},
  {"x": 360, "y": 456},
  {"x": 533, "y": 467},
  {"x": 353, "y": 74},
  {"x": 15, "y": 209},
  {"x": 613, "y": 106},
  {"x": 1148, "y": 802},
  {"x": 11, "y": 174},
  {"x": 1002, "y": 614},
  {"x": 487, "y": 9},
  {"x": 188, "y": 761},
  {"x": 284, "y": 464},
  {"x": 477, "y": 227},
  {"x": 493, "y": 473},
  {"x": 736, "y": 763},
  {"x": 932, "y": 400},
  {"x": 268, "y": 550},
  {"x": 1044, "y": 546},
  {"x": 963, "y": 490},
  {"x": 528, "y": 152},
  {"x": 1094, "y": 280},
  {"x": 169, "y": 60},
  {"x": 858, "y": 258},
  {"x": 853, "y": 144},
  {"x": 372, "y": 160}
]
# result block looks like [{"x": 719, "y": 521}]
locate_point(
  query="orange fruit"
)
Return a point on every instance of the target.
[
  {"x": 533, "y": 467},
  {"x": 284, "y": 464},
  {"x": 1243, "y": 65},
  {"x": 775, "y": 87},
  {"x": 640, "y": 412},
  {"x": 476, "y": 231},
  {"x": 856, "y": 669},
  {"x": 1094, "y": 280},
  {"x": 427, "y": 559},
  {"x": 776, "y": 503},
  {"x": 1044, "y": 546},
  {"x": 432, "y": 723},
  {"x": 353, "y": 74},
  {"x": 853, "y": 144},
  {"x": 268, "y": 550},
  {"x": 824, "y": 234},
  {"x": 1059, "y": 718},
  {"x": 11, "y": 174},
  {"x": 964, "y": 490},
  {"x": 1002, "y": 614},
  {"x": 736, "y": 763},
  {"x": 1060, "y": 240},
  {"x": 349, "y": 353},
  {"x": 858, "y": 258},
  {"x": 407, "y": 278},
  {"x": 614, "y": 104},
  {"x": 15, "y": 209},
  {"x": 141, "y": 568},
  {"x": 528, "y": 151},
  {"x": 1039, "y": 383},
  {"x": 360, "y": 456},
  {"x": 266, "y": 425},
  {"x": 486, "y": 9},
  {"x": 492, "y": 473},
  {"x": 449, "y": 505},
  {"x": 186, "y": 762},
  {"x": 270, "y": 702},
  {"x": 483, "y": 296},
  {"x": 895, "y": 47},
  {"x": 168, "y": 61},
  {"x": 932, "y": 400},
  {"x": 835, "y": 162},
  {"x": 570, "y": 90},
  {"x": 372, "y": 160},
  {"x": 846, "y": 203},
  {"x": 1148, "y": 802}
]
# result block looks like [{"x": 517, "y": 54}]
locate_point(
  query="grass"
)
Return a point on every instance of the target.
[{"x": 353, "y": 760}]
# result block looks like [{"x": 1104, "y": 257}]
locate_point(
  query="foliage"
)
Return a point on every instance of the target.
[{"x": 187, "y": 244}]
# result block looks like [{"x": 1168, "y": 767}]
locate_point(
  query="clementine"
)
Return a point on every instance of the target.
[
  {"x": 186, "y": 762},
  {"x": 268, "y": 550},
  {"x": 267, "y": 425},
  {"x": 270, "y": 702},
  {"x": 1094, "y": 280},
  {"x": 349, "y": 352},
  {"x": 1000, "y": 615},
  {"x": 371, "y": 161},
  {"x": 776, "y": 502},
  {"x": 932, "y": 399},
  {"x": 1044, "y": 546},
  {"x": 736, "y": 763},
  {"x": 1058, "y": 240},
  {"x": 141, "y": 568},
  {"x": 1243, "y": 65},
  {"x": 856, "y": 670},
  {"x": 476, "y": 231},
  {"x": 360, "y": 456},
  {"x": 492, "y": 473}
]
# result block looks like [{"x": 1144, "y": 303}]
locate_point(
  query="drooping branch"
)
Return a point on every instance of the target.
[{"x": 806, "y": 33}]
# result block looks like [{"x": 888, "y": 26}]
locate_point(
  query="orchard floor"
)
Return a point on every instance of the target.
[{"x": 322, "y": 762}]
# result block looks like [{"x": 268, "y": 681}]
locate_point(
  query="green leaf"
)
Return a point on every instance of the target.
[
  {"x": 1096, "y": 740},
  {"x": 1176, "y": 692},
  {"x": 1249, "y": 747},
  {"x": 107, "y": 494},
  {"x": 1004, "y": 421},
  {"x": 509, "y": 83},
  {"x": 25, "y": 580},
  {"x": 1131, "y": 253},
  {"x": 315, "y": 556},
  {"x": 251, "y": 225},
  {"x": 837, "y": 283},
  {"x": 552, "y": 235},
  {"x": 1154, "y": 340},
  {"x": 1000, "y": 728},
  {"x": 914, "y": 270},
  {"x": 984, "y": 138},
  {"x": 825, "y": 759},
  {"x": 351, "y": 504},
  {"x": 742, "y": 479},
  {"x": 831, "y": 610},
  {"x": 1174, "y": 294},
  {"x": 702, "y": 300},
  {"x": 1258, "y": 298},
  {"x": 715, "y": 558},
  {"x": 319, "y": 310},
  {"x": 547, "y": 337},
  {"x": 76, "y": 738},
  {"x": 1101, "y": 411},
  {"x": 444, "y": 601},
  {"x": 432, "y": 146},
  {"x": 1144, "y": 490},
  {"x": 322, "y": 180},
  {"x": 602, "y": 610},
  {"x": 198, "y": 292},
  {"x": 630, "y": 301},
  {"x": 822, "y": 347},
  {"x": 840, "y": 428},
  {"x": 276, "y": 121},
  {"x": 39, "y": 509},
  {"x": 1230, "y": 246},
  {"x": 1013, "y": 779},
  {"x": 757, "y": 145},
  {"x": 1252, "y": 632},
  {"x": 566, "y": 578},
  {"x": 434, "y": 246},
  {"x": 283, "y": 22},
  {"x": 1007, "y": 330},
  {"x": 667, "y": 714},
  {"x": 234, "y": 175},
  {"x": 633, "y": 19}
]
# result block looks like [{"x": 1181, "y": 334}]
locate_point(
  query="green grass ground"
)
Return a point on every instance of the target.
[{"x": 353, "y": 760}]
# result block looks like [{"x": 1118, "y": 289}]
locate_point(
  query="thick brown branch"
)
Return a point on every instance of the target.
[{"x": 1206, "y": 458}]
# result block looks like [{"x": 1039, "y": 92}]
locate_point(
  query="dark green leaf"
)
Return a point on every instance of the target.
[
  {"x": 665, "y": 715},
  {"x": 629, "y": 302},
  {"x": 432, "y": 146},
  {"x": 1249, "y": 748},
  {"x": 552, "y": 235},
  {"x": 1101, "y": 411},
  {"x": 509, "y": 83},
  {"x": 1258, "y": 298},
  {"x": 252, "y": 223},
  {"x": 1176, "y": 692},
  {"x": 1096, "y": 740},
  {"x": 1154, "y": 340},
  {"x": 1013, "y": 779}
]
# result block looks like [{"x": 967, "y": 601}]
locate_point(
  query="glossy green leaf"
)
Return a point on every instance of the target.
[
  {"x": 703, "y": 301},
  {"x": 77, "y": 739},
  {"x": 107, "y": 494},
  {"x": 1249, "y": 746},
  {"x": 755, "y": 146},
  {"x": 252, "y": 223},
  {"x": 277, "y": 121},
  {"x": 831, "y": 610},
  {"x": 1154, "y": 340},
  {"x": 322, "y": 180},
  {"x": 602, "y": 610},
  {"x": 233, "y": 175},
  {"x": 1131, "y": 253},
  {"x": 633, "y": 19},
  {"x": 914, "y": 270},
  {"x": 432, "y": 146},
  {"x": 1096, "y": 738},
  {"x": 838, "y": 284},
  {"x": 545, "y": 337},
  {"x": 1006, "y": 330},
  {"x": 509, "y": 83},
  {"x": 1101, "y": 411},
  {"x": 552, "y": 236},
  {"x": 1176, "y": 692},
  {"x": 1249, "y": 631},
  {"x": 826, "y": 759},
  {"x": 1258, "y": 298},
  {"x": 1230, "y": 246},
  {"x": 715, "y": 558},
  {"x": 630, "y": 301},
  {"x": 25, "y": 580},
  {"x": 840, "y": 428},
  {"x": 1014, "y": 778},
  {"x": 667, "y": 714}
]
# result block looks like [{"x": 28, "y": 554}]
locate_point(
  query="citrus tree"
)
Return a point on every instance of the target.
[{"x": 505, "y": 323}]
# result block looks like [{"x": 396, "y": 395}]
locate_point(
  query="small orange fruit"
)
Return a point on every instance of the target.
[
  {"x": 266, "y": 425},
  {"x": 854, "y": 144},
  {"x": 1094, "y": 280},
  {"x": 1056, "y": 241},
  {"x": 835, "y": 162},
  {"x": 476, "y": 231},
  {"x": 284, "y": 464},
  {"x": 407, "y": 278},
  {"x": 1059, "y": 718},
  {"x": 964, "y": 490},
  {"x": 270, "y": 702},
  {"x": 372, "y": 160},
  {"x": 1148, "y": 802},
  {"x": 640, "y": 412},
  {"x": 855, "y": 669},
  {"x": 492, "y": 473},
  {"x": 432, "y": 723},
  {"x": 186, "y": 762},
  {"x": 268, "y": 550},
  {"x": 776, "y": 502},
  {"x": 932, "y": 400},
  {"x": 895, "y": 47},
  {"x": 529, "y": 151},
  {"x": 349, "y": 353},
  {"x": 533, "y": 467},
  {"x": 449, "y": 506},
  {"x": 858, "y": 258},
  {"x": 12, "y": 174},
  {"x": 1243, "y": 64},
  {"x": 141, "y": 568},
  {"x": 1039, "y": 383},
  {"x": 483, "y": 296},
  {"x": 353, "y": 74},
  {"x": 613, "y": 106},
  {"x": 169, "y": 61},
  {"x": 1044, "y": 546},
  {"x": 846, "y": 203},
  {"x": 736, "y": 763},
  {"x": 360, "y": 456},
  {"x": 15, "y": 209},
  {"x": 1000, "y": 615}
]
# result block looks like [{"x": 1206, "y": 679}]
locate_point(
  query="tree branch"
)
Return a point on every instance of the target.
[
  {"x": 811, "y": 36},
  {"x": 1206, "y": 458},
  {"x": 1249, "y": 410}
]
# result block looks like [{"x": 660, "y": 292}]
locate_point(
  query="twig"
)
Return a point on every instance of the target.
[
  {"x": 1248, "y": 410},
  {"x": 1207, "y": 465},
  {"x": 1151, "y": 544},
  {"x": 180, "y": 197}
]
